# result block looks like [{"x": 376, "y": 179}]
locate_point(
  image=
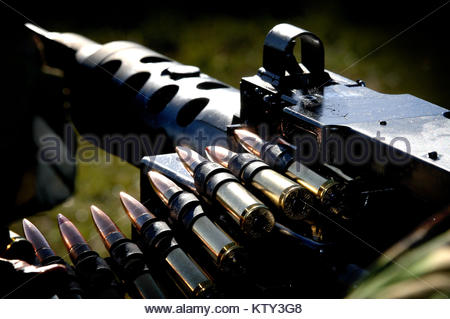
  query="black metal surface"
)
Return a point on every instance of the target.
[{"x": 171, "y": 166}]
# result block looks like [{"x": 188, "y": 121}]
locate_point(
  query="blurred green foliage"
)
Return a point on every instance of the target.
[{"x": 422, "y": 272}]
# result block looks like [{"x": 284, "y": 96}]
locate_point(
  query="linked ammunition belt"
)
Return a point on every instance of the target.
[{"x": 202, "y": 229}]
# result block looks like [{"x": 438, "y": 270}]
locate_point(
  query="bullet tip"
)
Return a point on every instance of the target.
[
  {"x": 183, "y": 152},
  {"x": 131, "y": 205},
  {"x": 94, "y": 209},
  {"x": 250, "y": 141},
  {"x": 135, "y": 210},
  {"x": 108, "y": 230},
  {"x": 26, "y": 223},
  {"x": 102, "y": 220},
  {"x": 70, "y": 234},
  {"x": 164, "y": 187},
  {"x": 28, "y": 228},
  {"x": 61, "y": 219},
  {"x": 33, "y": 235},
  {"x": 189, "y": 158},
  {"x": 153, "y": 175},
  {"x": 241, "y": 133},
  {"x": 96, "y": 214},
  {"x": 219, "y": 154},
  {"x": 124, "y": 196}
]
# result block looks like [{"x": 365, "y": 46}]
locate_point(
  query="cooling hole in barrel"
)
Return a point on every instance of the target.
[
  {"x": 111, "y": 67},
  {"x": 136, "y": 81},
  {"x": 154, "y": 59},
  {"x": 158, "y": 100},
  {"x": 211, "y": 86},
  {"x": 190, "y": 111}
]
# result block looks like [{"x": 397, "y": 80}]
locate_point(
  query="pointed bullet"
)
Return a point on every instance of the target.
[
  {"x": 71, "y": 235},
  {"x": 250, "y": 141},
  {"x": 107, "y": 229},
  {"x": 189, "y": 158},
  {"x": 136, "y": 211},
  {"x": 41, "y": 247},
  {"x": 72, "y": 238},
  {"x": 163, "y": 186},
  {"x": 219, "y": 155}
]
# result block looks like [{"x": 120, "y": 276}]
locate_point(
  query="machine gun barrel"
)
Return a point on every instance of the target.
[{"x": 166, "y": 97}]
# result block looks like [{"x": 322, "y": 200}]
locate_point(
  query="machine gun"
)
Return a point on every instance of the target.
[{"x": 391, "y": 151}]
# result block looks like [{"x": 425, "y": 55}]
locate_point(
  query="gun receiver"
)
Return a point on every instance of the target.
[{"x": 306, "y": 100}]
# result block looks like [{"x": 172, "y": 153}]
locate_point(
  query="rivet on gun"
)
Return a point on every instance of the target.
[
  {"x": 383, "y": 123},
  {"x": 433, "y": 155},
  {"x": 177, "y": 72},
  {"x": 259, "y": 91},
  {"x": 311, "y": 101}
]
